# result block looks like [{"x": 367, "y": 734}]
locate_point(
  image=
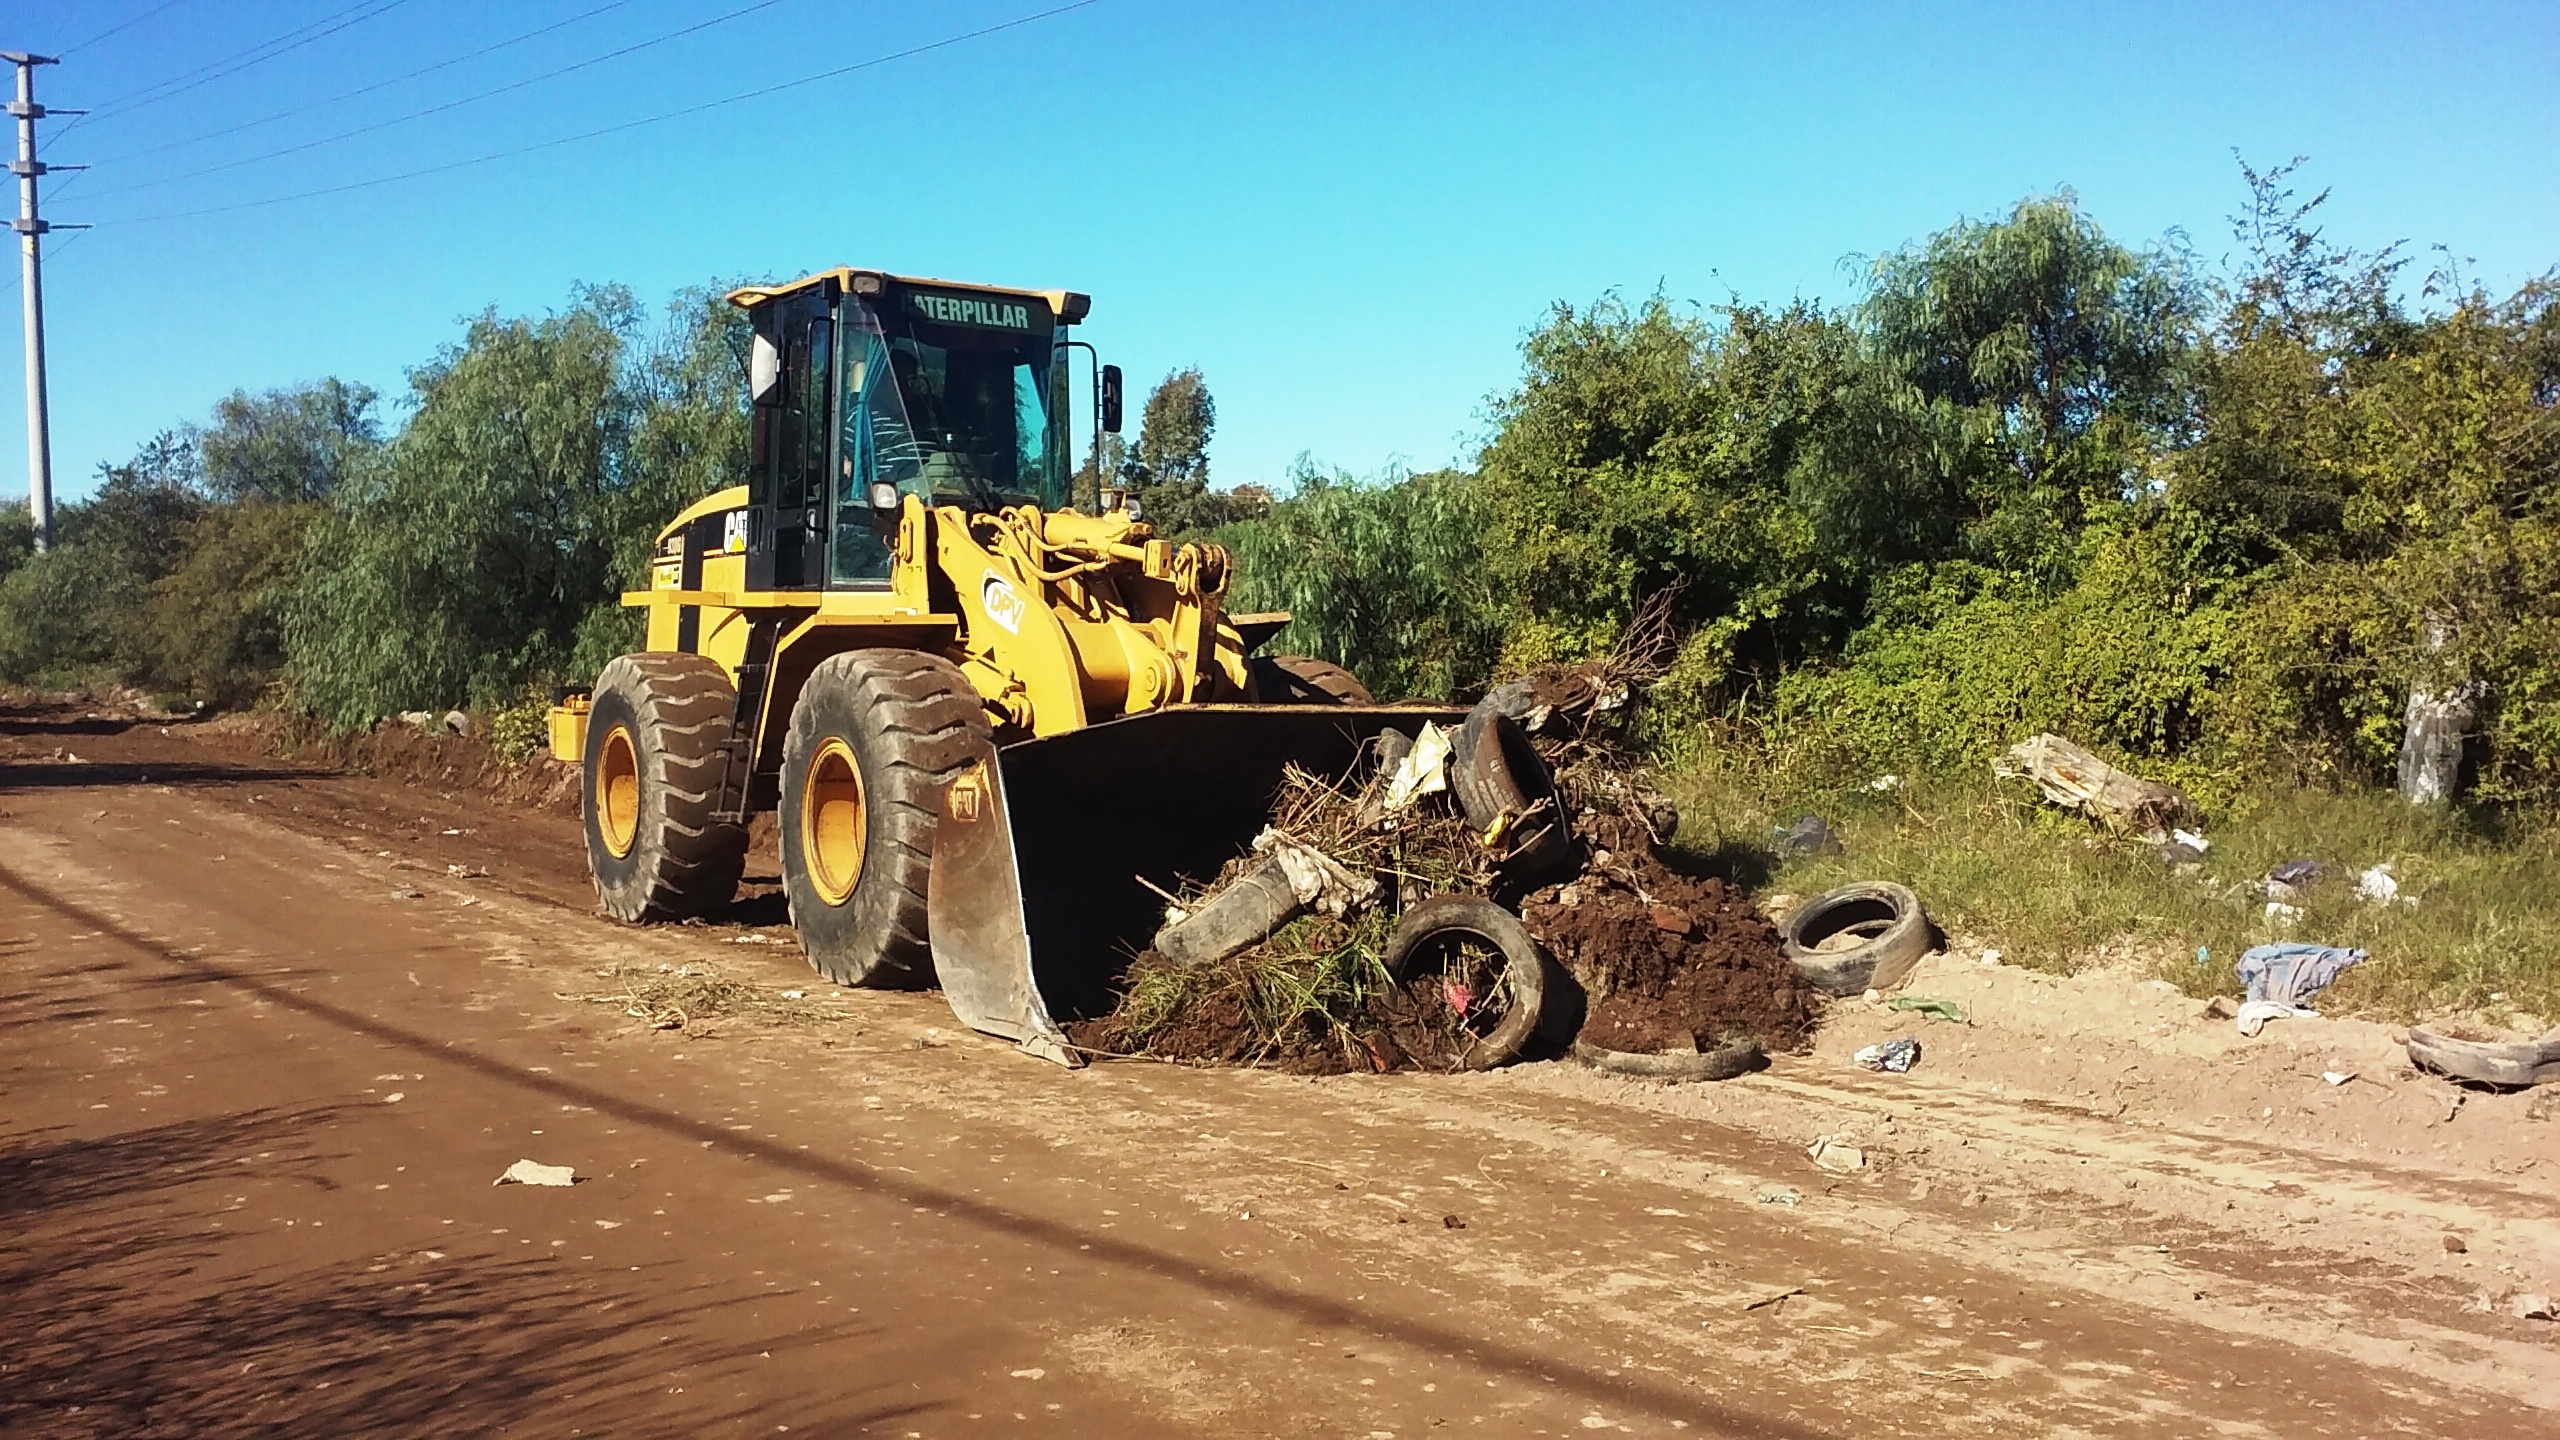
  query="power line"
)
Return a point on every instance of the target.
[
  {"x": 439, "y": 109},
  {"x": 255, "y": 55},
  {"x": 424, "y": 70},
  {"x": 119, "y": 28},
  {"x": 662, "y": 117}
]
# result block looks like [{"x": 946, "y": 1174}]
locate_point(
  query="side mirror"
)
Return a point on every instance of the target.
[
  {"x": 1110, "y": 399},
  {"x": 764, "y": 373}
]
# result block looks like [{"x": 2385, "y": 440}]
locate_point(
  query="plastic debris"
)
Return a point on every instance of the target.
[
  {"x": 1884, "y": 783},
  {"x": 1423, "y": 771},
  {"x": 2191, "y": 840},
  {"x": 2533, "y": 1307},
  {"x": 1896, "y": 1055},
  {"x": 2380, "y": 887},
  {"x": 2337, "y": 1077},
  {"x": 1810, "y": 835},
  {"x": 2178, "y": 854},
  {"x": 2283, "y": 914},
  {"x": 2293, "y": 877},
  {"x": 530, "y": 1172},
  {"x": 1932, "y": 1009}
]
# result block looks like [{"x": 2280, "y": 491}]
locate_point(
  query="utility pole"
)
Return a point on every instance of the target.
[{"x": 31, "y": 229}]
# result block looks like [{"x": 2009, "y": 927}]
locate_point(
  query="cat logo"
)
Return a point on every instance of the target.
[
  {"x": 1002, "y": 602},
  {"x": 969, "y": 794}
]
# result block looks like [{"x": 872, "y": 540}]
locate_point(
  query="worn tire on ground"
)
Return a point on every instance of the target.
[
  {"x": 1304, "y": 680},
  {"x": 1735, "y": 1057},
  {"x": 1897, "y": 929},
  {"x": 1495, "y": 770},
  {"x": 653, "y": 760},
  {"x": 875, "y": 735},
  {"x": 1446, "y": 917}
]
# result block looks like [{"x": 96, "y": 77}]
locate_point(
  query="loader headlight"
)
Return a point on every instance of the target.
[
  {"x": 1135, "y": 511},
  {"x": 884, "y": 495}
]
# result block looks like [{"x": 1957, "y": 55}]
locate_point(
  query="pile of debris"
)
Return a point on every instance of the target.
[{"x": 1465, "y": 898}]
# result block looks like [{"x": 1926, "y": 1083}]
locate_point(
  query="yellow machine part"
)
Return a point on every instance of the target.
[{"x": 1059, "y": 620}]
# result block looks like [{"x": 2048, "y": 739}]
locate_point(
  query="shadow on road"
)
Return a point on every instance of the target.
[{"x": 1223, "y": 1284}]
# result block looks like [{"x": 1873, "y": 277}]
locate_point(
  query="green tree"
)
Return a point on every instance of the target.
[
  {"x": 1167, "y": 469},
  {"x": 2035, "y": 368},
  {"x": 1385, "y": 578},
  {"x": 287, "y": 446}
]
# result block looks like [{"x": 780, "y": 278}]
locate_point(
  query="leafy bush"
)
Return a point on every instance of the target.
[{"x": 1387, "y": 579}]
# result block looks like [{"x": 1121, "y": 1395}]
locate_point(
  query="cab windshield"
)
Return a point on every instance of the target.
[{"x": 953, "y": 399}]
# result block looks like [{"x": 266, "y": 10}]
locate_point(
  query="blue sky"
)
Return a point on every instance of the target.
[{"x": 1348, "y": 215}]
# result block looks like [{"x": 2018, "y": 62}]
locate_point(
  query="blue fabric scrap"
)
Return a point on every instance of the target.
[{"x": 2291, "y": 973}]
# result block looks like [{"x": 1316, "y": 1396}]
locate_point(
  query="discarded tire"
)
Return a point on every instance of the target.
[
  {"x": 1235, "y": 920},
  {"x": 2518, "y": 1065},
  {"x": 1304, "y": 680},
  {"x": 1738, "y": 1057},
  {"x": 1894, "y": 933},
  {"x": 1445, "y": 918},
  {"x": 1496, "y": 772}
]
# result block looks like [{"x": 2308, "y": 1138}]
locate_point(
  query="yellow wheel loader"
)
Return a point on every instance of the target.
[{"x": 995, "y": 727}]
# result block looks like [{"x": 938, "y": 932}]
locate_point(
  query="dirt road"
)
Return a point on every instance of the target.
[{"x": 268, "y": 1039}]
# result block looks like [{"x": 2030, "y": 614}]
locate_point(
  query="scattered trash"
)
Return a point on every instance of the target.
[
  {"x": 1452, "y": 1222},
  {"x": 2292, "y": 972},
  {"x": 1765, "y": 1301},
  {"x": 2337, "y": 1077},
  {"x": 1424, "y": 770},
  {"x": 2253, "y": 1017},
  {"x": 2204, "y": 955},
  {"x": 2178, "y": 854},
  {"x": 2533, "y": 1307},
  {"x": 1896, "y": 1056},
  {"x": 2380, "y": 887},
  {"x": 1990, "y": 957},
  {"x": 2517, "y": 1065},
  {"x": 2190, "y": 839},
  {"x": 1779, "y": 1196},
  {"x": 1931, "y": 1009},
  {"x": 1034, "y": 1373},
  {"x": 408, "y": 894},
  {"x": 795, "y": 994},
  {"x": 2072, "y": 777},
  {"x": 529, "y": 1172},
  {"x": 1883, "y": 783},
  {"x": 1835, "y": 1154},
  {"x": 2283, "y": 914},
  {"x": 2294, "y": 877},
  {"x": 1810, "y": 835},
  {"x": 466, "y": 872}
]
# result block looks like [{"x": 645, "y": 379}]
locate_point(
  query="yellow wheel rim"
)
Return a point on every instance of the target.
[
  {"x": 618, "y": 792},
  {"x": 832, "y": 822}
]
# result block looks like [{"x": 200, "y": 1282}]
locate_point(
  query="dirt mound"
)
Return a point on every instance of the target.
[
  {"x": 1668, "y": 962},
  {"x": 437, "y": 760}
]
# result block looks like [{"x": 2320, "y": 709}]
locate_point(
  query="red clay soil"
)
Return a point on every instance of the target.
[{"x": 1670, "y": 962}]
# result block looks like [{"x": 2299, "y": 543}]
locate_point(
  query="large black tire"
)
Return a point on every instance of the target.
[
  {"x": 1496, "y": 771},
  {"x": 653, "y": 762},
  {"x": 875, "y": 736},
  {"x": 1444, "y": 918},
  {"x": 1305, "y": 680},
  {"x": 1893, "y": 930}
]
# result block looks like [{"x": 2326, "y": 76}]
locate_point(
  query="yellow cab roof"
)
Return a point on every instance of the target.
[{"x": 1069, "y": 306}]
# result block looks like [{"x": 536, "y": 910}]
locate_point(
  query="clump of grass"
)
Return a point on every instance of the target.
[
  {"x": 1998, "y": 865},
  {"x": 1306, "y": 991},
  {"x": 681, "y": 997}
]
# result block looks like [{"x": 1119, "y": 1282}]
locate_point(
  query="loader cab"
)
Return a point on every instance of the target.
[{"x": 868, "y": 388}]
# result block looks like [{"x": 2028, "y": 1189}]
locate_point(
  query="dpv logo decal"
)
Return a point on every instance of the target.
[{"x": 1003, "y": 603}]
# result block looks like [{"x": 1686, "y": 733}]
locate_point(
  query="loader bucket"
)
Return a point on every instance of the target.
[{"x": 1036, "y": 905}]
